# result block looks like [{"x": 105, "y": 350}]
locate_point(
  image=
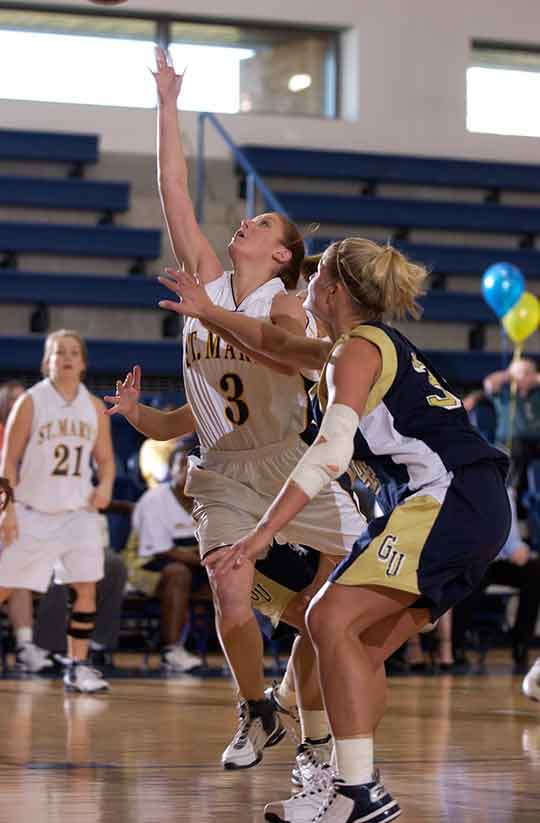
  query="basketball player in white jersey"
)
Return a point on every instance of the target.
[
  {"x": 54, "y": 432},
  {"x": 249, "y": 420}
]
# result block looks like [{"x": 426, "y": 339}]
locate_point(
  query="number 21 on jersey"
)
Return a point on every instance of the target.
[{"x": 444, "y": 399}]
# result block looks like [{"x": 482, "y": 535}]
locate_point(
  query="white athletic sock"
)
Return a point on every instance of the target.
[
  {"x": 314, "y": 724},
  {"x": 355, "y": 760},
  {"x": 23, "y": 636},
  {"x": 286, "y": 696}
]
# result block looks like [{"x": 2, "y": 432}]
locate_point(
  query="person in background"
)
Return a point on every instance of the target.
[
  {"x": 54, "y": 431},
  {"x": 518, "y": 416},
  {"x": 162, "y": 557},
  {"x": 50, "y": 627},
  {"x": 29, "y": 657}
]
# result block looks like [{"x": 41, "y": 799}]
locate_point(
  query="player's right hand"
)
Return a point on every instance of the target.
[
  {"x": 168, "y": 82},
  {"x": 126, "y": 399},
  {"x": 9, "y": 531}
]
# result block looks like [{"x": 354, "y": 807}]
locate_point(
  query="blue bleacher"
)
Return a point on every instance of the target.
[
  {"x": 163, "y": 358},
  {"x": 410, "y": 214},
  {"x": 387, "y": 168},
  {"x": 77, "y": 150},
  {"x": 58, "y": 193},
  {"x": 140, "y": 293},
  {"x": 80, "y": 290},
  {"x": 107, "y": 357},
  {"x": 458, "y": 260},
  {"x": 89, "y": 241}
]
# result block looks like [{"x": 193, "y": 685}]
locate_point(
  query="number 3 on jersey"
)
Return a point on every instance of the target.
[
  {"x": 444, "y": 400},
  {"x": 233, "y": 389}
]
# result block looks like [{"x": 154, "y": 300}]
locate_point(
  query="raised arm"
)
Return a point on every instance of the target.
[
  {"x": 274, "y": 339},
  {"x": 494, "y": 382},
  {"x": 159, "y": 425},
  {"x": 191, "y": 248}
]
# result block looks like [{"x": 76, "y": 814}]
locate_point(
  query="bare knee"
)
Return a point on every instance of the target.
[{"x": 232, "y": 605}]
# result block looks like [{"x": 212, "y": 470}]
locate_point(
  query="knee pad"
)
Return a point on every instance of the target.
[{"x": 84, "y": 632}]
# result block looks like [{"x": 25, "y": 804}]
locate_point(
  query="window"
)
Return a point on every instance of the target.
[
  {"x": 103, "y": 59},
  {"x": 503, "y": 87}
]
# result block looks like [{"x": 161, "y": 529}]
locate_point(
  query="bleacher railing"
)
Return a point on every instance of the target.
[{"x": 254, "y": 182}]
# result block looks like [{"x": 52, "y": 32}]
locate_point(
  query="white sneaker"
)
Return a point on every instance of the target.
[
  {"x": 259, "y": 728},
  {"x": 531, "y": 682},
  {"x": 81, "y": 678},
  {"x": 303, "y": 807},
  {"x": 311, "y": 757},
  {"x": 177, "y": 659},
  {"x": 31, "y": 658}
]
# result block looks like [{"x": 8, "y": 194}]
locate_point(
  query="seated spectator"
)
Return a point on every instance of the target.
[
  {"x": 163, "y": 561},
  {"x": 518, "y": 416},
  {"x": 514, "y": 567}
]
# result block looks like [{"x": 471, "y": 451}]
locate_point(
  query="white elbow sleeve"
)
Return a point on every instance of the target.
[{"x": 331, "y": 453}]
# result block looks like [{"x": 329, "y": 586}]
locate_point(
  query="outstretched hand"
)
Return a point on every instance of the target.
[
  {"x": 194, "y": 301},
  {"x": 168, "y": 82},
  {"x": 126, "y": 399}
]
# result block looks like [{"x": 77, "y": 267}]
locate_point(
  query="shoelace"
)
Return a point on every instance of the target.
[
  {"x": 245, "y": 722},
  {"x": 320, "y": 783},
  {"x": 327, "y": 803}
]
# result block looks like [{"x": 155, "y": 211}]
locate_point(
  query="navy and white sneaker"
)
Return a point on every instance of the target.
[
  {"x": 303, "y": 807},
  {"x": 259, "y": 727},
  {"x": 531, "y": 682},
  {"x": 311, "y": 756},
  {"x": 358, "y": 804}
]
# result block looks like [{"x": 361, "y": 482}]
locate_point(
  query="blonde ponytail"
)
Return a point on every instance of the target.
[
  {"x": 400, "y": 283},
  {"x": 379, "y": 279}
]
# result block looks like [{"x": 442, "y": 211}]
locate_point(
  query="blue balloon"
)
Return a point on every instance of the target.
[{"x": 502, "y": 286}]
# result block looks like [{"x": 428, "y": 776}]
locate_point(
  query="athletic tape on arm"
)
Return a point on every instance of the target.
[{"x": 331, "y": 453}]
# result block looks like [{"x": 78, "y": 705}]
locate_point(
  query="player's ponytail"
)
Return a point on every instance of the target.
[{"x": 378, "y": 278}]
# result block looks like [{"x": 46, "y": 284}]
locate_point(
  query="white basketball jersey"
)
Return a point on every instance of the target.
[
  {"x": 237, "y": 403},
  {"x": 55, "y": 473}
]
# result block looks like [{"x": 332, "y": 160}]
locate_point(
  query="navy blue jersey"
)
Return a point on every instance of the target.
[{"x": 414, "y": 430}]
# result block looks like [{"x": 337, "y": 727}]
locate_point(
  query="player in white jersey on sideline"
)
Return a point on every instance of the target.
[
  {"x": 54, "y": 432},
  {"x": 248, "y": 420}
]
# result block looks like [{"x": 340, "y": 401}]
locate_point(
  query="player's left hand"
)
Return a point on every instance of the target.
[
  {"x": 194, "y": 301},
  {"x": 249, "y": 549},
  {"x": 100, "y": 498}
]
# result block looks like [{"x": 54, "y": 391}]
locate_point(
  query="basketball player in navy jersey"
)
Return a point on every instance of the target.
[{"x": 440, "y": 485}]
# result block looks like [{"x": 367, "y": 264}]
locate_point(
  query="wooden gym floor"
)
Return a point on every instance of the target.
[{"x": 465, "y": 750}]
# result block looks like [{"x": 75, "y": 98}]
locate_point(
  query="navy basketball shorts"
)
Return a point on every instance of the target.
[{"x": 438, "y": 543}]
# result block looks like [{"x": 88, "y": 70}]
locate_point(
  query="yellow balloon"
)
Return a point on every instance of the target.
[{"x": 523, "y": 319}]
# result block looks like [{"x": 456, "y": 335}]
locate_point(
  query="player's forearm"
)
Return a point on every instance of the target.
[
  {"x": 258, "y": 357},
  {"x": 172, "y": 166},
  {"x": 106, "y": 472},
  {"x": 160, "y": 425},
  {"x": 289, "y": 502},
  {"x": 8, "y": 469},
  {"x": 257, "y": 335},
  {"x": 293, "y": 351}
]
